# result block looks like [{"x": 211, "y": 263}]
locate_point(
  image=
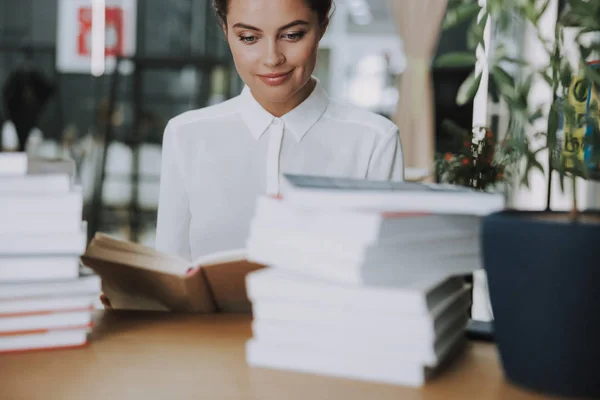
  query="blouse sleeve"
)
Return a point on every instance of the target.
[
  {"x": 173, "y": 220},
  {"x": 386, "y": 160}
]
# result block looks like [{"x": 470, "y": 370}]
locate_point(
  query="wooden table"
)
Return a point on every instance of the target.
[{"x": 175, "y": 356}]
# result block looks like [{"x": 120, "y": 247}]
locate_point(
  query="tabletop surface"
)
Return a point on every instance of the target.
[{"x": 147, "y": 355}]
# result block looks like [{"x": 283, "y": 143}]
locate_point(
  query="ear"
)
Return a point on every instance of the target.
[{"x": 224, "y": 29}]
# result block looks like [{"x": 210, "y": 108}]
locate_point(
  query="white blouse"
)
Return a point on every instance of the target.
[{"x": 217, "y": 160}]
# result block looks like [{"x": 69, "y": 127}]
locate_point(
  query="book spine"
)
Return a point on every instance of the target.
[{"x": 198, "y": 291}]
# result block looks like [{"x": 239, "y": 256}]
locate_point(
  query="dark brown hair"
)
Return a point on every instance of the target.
[{"x": 323, "y": 9}]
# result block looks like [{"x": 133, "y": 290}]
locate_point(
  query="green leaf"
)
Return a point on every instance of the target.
[
  {"x": 525, "y": 88},
  {"x": 581, "y": 14},
  {"x": 513, "y": 60},
  {"x": 459, "y": 14},
  {"x": 566, "y": 74},
  {"x": 530, "y": 12},
  {"x": 547, "y": 78},
  {"x": 505, "y": 82},
  {"x": 553, "y": 121},
  {"x": 454, "y": 130},
  {"x": 539, "y": 113},
  {"x": 561, "y": 175},
  {"x": 585, "y": 52},
  {"x": 457, "y": 59},
  {"x": 475, "y": 34},
  {"x": 468, "y": 89},
  {"x": 525, "y": 179},
  {"x": 534, "y": 162},
  {"x": 541, "y": 11},
  {"x": 505, "y": 19}
]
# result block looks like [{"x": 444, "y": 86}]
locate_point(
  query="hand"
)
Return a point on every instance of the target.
[{"x": 105, "y": 301}]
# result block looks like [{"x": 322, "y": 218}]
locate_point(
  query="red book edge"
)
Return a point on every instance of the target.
[
  {"x": 45, "y": 312},
  {"x": 46, "y": 330},
  {"x": 39, "y": 349},
  {"x": 384, "y": 214}
]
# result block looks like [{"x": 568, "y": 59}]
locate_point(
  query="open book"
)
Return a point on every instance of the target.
[{"x": 138, "y": 277}]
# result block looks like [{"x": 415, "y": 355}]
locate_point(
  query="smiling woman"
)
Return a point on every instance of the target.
[{"x": 217, "y": 160}]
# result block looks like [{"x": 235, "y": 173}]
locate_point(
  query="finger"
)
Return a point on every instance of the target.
[{"x": 105, "y": 301}]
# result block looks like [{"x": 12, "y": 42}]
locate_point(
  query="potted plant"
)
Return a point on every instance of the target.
[
  {"x": 478, "y": 162},
  {"x": 543, "y": 267}
]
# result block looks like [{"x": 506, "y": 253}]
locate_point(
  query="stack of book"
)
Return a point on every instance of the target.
[
  {"x": 365, "y": 279},
  {"x": 45, "y": 302}
]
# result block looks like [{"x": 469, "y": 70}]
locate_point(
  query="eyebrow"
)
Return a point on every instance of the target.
[{"x": 286, "y": 26}]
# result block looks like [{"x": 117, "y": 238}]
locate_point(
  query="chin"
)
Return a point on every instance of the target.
[{"x": 276, "y": 94}]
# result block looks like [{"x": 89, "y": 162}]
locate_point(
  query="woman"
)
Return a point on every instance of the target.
[{"x": 216, "y": 160}]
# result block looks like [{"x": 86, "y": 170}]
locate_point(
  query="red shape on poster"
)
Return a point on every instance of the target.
[{"x": 113, "y": 35}]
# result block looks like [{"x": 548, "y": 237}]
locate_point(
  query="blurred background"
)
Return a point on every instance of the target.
[{"x": 176, "y": 59}]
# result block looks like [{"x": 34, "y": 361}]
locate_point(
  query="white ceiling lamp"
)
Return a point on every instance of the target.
[{"x": 360, "y": 12}]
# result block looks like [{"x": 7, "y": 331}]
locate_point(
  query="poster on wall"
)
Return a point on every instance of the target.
[
  {"x": 75, "y": 33},
  {"x": 577, "y": 140}
]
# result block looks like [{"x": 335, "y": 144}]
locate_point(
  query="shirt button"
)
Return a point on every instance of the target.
[{"x": 276, "y": 122}]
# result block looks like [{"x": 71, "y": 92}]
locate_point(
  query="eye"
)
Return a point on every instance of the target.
[
  {"x": 294, "y": 36},
  {"x": 248, "y": 39}
]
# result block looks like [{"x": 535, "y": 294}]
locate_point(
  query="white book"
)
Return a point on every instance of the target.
[
  {"x": 58, "y": 320},
  {"x": 43, "y": 341},
  {"x": 402, "y": 325},
  {"x": 24, "y": 269},
  {"x": 35, "y": 223},
  {"x": 345, "y": 193},
  {"x": 60, "y": 243},
  {"x": 13, "y": 163},
  {"x": 348, "y": 364},
  {"x": 355, "y": 251},
  {"x": 397, "y": 335},
  {"x": 425, "y": 295},
  {"x": 362, "y": 225},
  {"x": 35, "y": 184},
  {"x": 66, "y": 302},
  {"x": 88, "y": 285},
  {"x": 376, "y": 269},
  {"x": 42, "y": 204}
]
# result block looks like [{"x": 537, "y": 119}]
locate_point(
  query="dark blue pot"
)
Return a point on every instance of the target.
[{"x": 544, "y": 282}]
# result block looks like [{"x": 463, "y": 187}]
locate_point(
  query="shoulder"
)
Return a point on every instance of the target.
[
  {"x": 204, "y": 116},
  {"x": 354, "y": 116},
  {"x": 191, "y": 128}
]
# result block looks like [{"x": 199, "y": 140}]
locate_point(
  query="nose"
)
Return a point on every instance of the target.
[{"x": 275, "y": 55}]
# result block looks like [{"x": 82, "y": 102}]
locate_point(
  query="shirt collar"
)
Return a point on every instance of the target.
[{"x": 298, "y": 121}]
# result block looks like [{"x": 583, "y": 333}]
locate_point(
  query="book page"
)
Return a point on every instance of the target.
[
  {"x": 222, "y": 257},
  {"x": 139, "y": 261},
  {"x": 106, "y": 241},
  {"x": 227, "y": 284}
]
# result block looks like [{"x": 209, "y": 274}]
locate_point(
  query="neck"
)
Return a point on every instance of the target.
[{"x": 280, "y": 109}]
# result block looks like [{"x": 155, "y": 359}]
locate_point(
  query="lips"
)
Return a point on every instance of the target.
[
  {"x": 275, "y": 79},
  {"x": 274, "y": 75}
]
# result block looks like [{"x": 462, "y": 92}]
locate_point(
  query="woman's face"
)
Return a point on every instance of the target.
[{"x": 274, "y": 45}]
